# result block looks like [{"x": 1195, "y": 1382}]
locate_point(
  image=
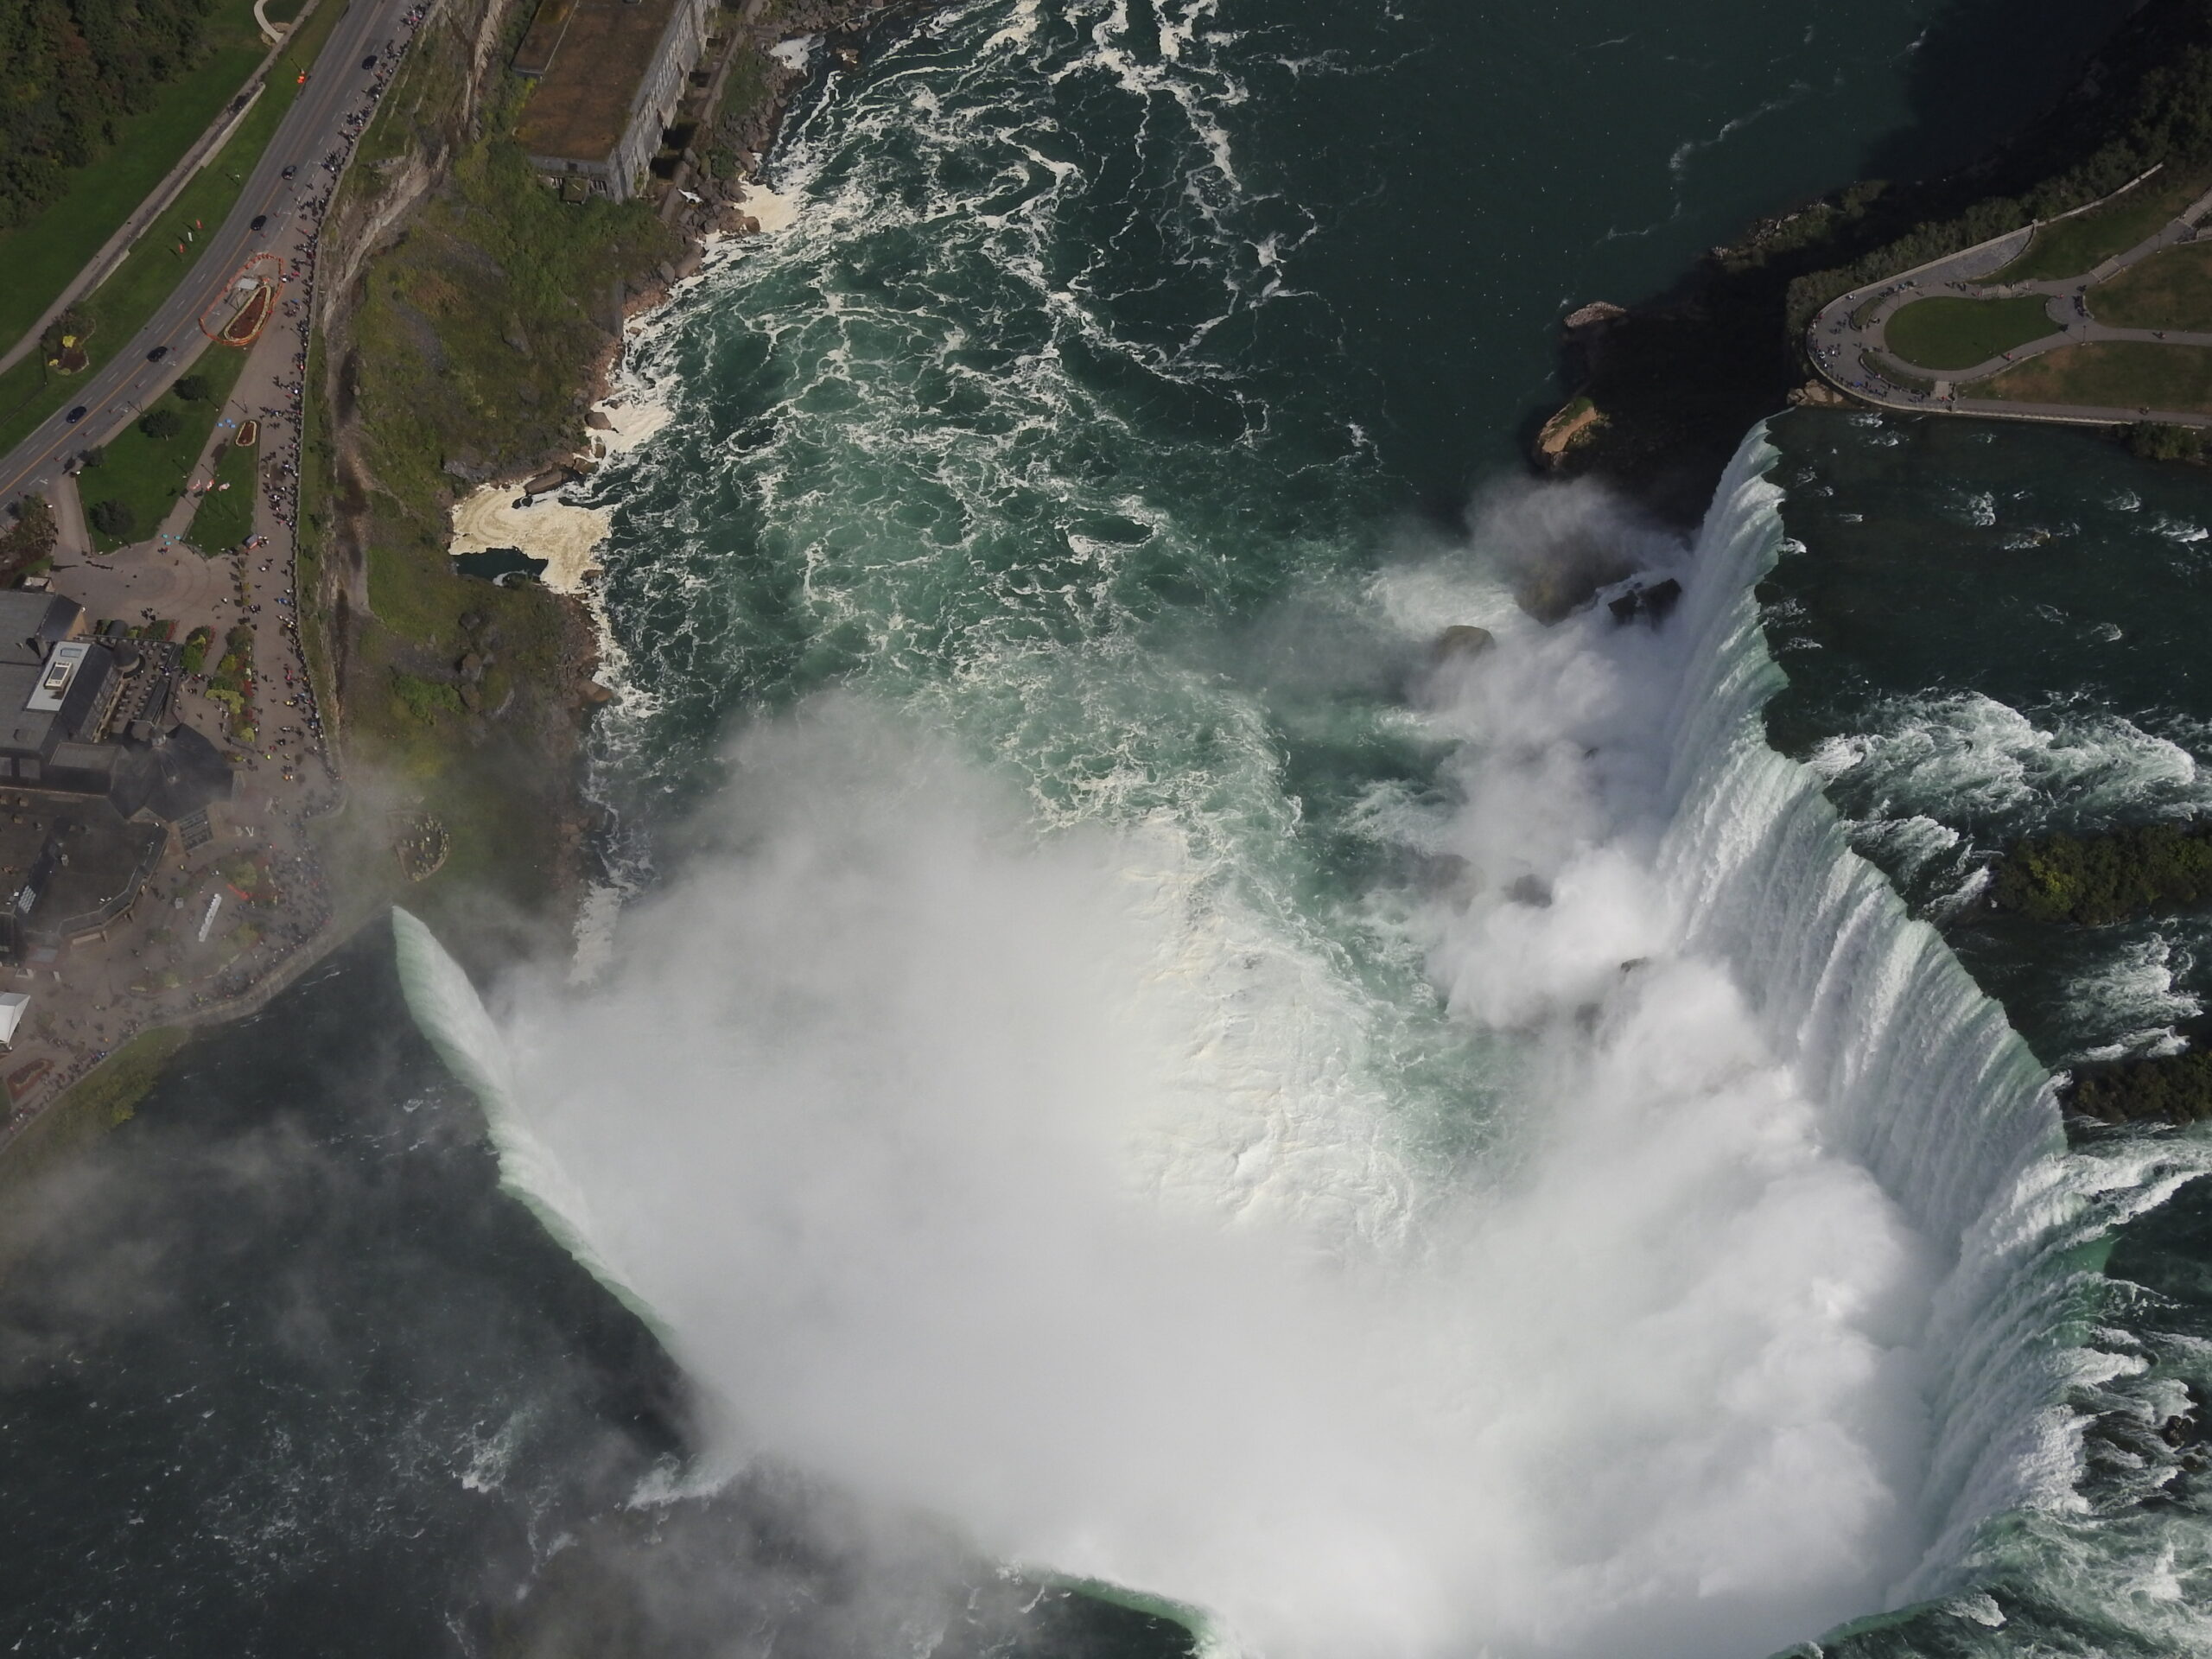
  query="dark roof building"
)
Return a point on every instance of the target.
[{"x": 610, "y": 74}]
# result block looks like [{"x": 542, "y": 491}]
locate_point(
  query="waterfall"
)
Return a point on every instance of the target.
[
  {"x": 764, "y": 1164},
  {"x": 449, "y": 1013},
  {"x": 1919, "y": 1076}
]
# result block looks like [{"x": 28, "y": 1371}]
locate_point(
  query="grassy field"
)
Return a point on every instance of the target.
[
  {"x": 2172, "y": 290},
  {"x": 2114, "y": 374},
  {"x": 1954, "y": 334},
  {"x": 41, "y": 255},
  {"x": 225, "y": 518},
  {"x": 119, "y": 307},
  {"x": 2075, "y": 246},
  {"x": 148, "y": 474}
]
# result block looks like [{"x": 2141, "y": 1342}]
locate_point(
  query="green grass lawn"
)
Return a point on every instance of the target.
[
  {"x": 2171, "y": 290},
  {"x": 2114, "y": 374},
  {"x": 148, "y": 474},
  {"x": 1955, "y": 334},
  {"x": 41, "y": 255},
  {"x": 120, "y": 306},
  {"x": 225, "y": 518},
  {"x": 2073, "y": 246}
]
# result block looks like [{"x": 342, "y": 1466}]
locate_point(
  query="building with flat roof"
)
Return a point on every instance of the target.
[
  {"x": 610, "y": 74},
  {"x": 86, "y": 809}
]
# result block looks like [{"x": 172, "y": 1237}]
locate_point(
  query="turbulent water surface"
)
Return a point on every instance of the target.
[{"x": 1119, "y": 1058}]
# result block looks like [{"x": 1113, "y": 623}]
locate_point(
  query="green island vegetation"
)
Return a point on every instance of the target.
[
  {"x": 2074, "y": 247},
  {"x": 1947, "y": 333},
  {"x": 2173, "y": 1089},
  {"x": 103, "y": 98},
  {"x": 466, "y": 357},
  {"x": 2115, "y": 875},
  {"x": 2113, "y": 374},
  {"x": 149, "y": 464},
  {"x": 119, "y": 307},
  {"x": 2171, "y": 290}
]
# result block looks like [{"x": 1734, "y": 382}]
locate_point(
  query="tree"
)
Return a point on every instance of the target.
[
  {"x": 160, "y": 423},
  {"x": 192, "y": 389},
  {"x": 30, "y": 538},
  {"x": 114, "y": 517},
  {"x": 95, "y": 456}
]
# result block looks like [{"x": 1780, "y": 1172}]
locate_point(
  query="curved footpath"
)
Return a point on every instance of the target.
[{"x": 1848, "y": 339}]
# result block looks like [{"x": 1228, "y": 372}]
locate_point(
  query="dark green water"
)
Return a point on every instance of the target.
[{"x": 1118, "y": 349}]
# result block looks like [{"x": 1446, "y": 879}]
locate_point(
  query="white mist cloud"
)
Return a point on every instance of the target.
[{"x": 965, "y": 1168}]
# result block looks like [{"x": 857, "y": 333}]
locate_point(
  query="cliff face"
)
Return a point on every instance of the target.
[
  {"x": 461, "y": 315},
  {"x": 465, "y": 315}
]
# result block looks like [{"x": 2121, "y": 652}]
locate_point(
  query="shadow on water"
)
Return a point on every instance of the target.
[
  {"x": 1982, "y": 71},
  {"x": 282, "y": 1371}
]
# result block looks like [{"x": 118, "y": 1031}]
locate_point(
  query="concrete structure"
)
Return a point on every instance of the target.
[{"x": 610, "y": 74}]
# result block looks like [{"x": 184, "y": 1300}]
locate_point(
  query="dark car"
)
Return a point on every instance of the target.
[
  {"x": 369, "y": 62},
  {"x": 291, "y": 170},
  {"x": 75, "y": 416},
  {"x": 157, "y": 354},
  {"x": 260, "y": 219}
]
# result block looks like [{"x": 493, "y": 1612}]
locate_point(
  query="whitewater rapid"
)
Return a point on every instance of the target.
[{"x": 1017, "y": 1172}]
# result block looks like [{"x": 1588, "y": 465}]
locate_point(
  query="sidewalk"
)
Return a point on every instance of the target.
[{"x": 1851, "y": 349}]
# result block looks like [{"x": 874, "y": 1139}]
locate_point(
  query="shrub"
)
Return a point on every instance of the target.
[
  {"x": 194, "y": 657},
  {"x": 114, "y": 517},
  {"x": 161, "y": 423},
  {"x": 424, "y": 699},
  {"x": 2154, "y": 442},
  {"x": 2094, "y": 880}
]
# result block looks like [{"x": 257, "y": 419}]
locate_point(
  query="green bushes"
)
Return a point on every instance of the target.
[
  {"x": 424, "y": 699},
  {"x": 30, "y": 538},
  {"x": 194, "y": 657},
  {"x": 2174, "y": 1089},
  {"x": 2094, "y": 880},
  {"x": 2147, "y": 440},
  {"x": 71, "y": 73}
]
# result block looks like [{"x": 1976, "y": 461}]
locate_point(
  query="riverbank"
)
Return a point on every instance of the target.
[{"x": 1678, "y": 376}]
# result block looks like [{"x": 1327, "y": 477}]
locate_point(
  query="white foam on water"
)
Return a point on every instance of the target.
[
  {"x": 1041, "y": 1182},
  {"x": 568, "y": 538}
]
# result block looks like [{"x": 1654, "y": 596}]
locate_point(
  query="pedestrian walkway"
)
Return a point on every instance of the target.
[{"x": 1848, "y": 339}]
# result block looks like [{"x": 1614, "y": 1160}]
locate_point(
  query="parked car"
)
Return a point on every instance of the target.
[
  {"x": 75, "y": 416},
  {"x": 157, "y": 354}
]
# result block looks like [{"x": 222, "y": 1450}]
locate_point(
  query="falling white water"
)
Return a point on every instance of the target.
[{"x": 1028, "y": 1180}]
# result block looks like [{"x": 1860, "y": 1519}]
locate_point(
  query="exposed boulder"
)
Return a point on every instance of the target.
[{"x": 1463, "y": 640}]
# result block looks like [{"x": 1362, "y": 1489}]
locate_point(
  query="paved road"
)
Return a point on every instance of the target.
[
  {"x": 314, "y": 127},
  {"x": 1848, "y": 338}
]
